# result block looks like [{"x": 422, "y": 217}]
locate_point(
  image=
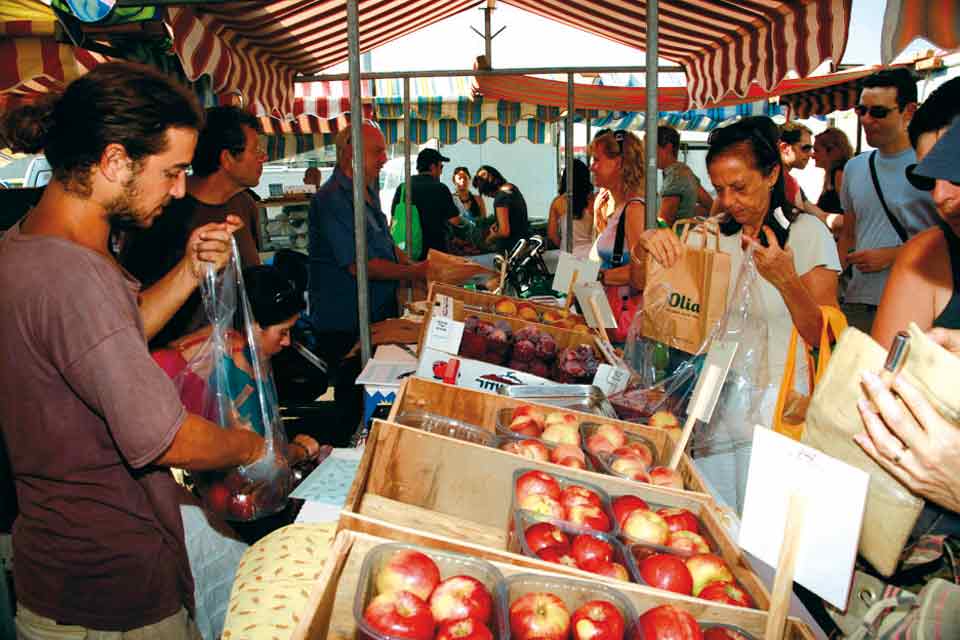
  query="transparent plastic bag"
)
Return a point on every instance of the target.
[
  {"x": 229, "y": 379},
  {"x": 721, "y": 448}
]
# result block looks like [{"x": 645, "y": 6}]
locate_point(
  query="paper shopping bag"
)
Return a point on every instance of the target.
[{"x": 683, "y": 303}]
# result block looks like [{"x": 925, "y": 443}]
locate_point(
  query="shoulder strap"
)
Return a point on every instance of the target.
[
  {"x": 617, "y": 256},
  {"x": 876, "y": 184}
]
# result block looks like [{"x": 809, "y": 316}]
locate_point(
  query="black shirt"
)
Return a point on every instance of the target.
[
  {"x": 509, "y": 196},
  {"x": 435, "y": 204}
]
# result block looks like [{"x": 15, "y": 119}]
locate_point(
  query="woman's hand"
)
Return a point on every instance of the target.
[
  {"x": 773, "y": 262},
  {"x": 663, "y": 245},
  {"x": 211, "y": 243},
  {"x": 912, "y": 441},
  {"x": 949, "y": 339}
]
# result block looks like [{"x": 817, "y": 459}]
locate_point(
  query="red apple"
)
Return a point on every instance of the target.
[
  {"x": 637, "y": 450},
  {"x": 543, "y": 505},
  {"x": 646, "y": 526},
  {"x": 613, "y": 433},
  {"x": 562, "y": 451},
  {"x": 629, "y": 466},
  {"x": 667, "y": 572},
  {"x": 527, "y": 428},
  {"x": 573, "y": 463},
  {"x": 400, "y": 614},
  {"x": 543, "y": 616},
  {"x": 560, "y": 433},
  {"x": 534, "y": 413},
  {"x": 543, "y": 534},
  {"x": 625, "y": 505},
  {"x": 666, "y": 477},
  {"x": 597, "y": 444},
  {"x": 217, "y": 498},
  {"x": 598, "y": 620},
  {"x": 574, "y": 495},
  {"x": 461, "y": 597},
  {"x": 588, "y": 549},
  {"x": 727, "y": 593},
  {"x": 707, "y": 568},
  {"x": 589, "y": 517},
  {"x": 241, "y": 506},
  {"x": 537, "y": 483},
  {"x": 557, "y": 555},
  {"x": 688, "y": 541},
  {"x": 680, "y": 519},
  {"x": 613, "y": 570},
  {"x": 723, "y": 633},
  {"x": 469, "y": 629},
  {"x": 562, "y": 417},
  {"x": 641, "y": 553},
  {"x": 533, "y": 449},
  {"x": 667, "y": 622},
  {"x": 409, "y": 570}
]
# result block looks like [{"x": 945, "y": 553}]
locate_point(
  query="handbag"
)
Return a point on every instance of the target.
[
  {"x": 398, "y": 226},
  {"x": 790, "y": 415}
]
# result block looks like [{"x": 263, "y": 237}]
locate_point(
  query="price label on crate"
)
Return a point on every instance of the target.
[
  {"x": 443, "y": 307},
  {"x": 611, "y": 380},
  {"x": 444, "y": 334}
]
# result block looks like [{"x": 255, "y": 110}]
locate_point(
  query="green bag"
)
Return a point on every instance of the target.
[{"x": 398, "y": 226}]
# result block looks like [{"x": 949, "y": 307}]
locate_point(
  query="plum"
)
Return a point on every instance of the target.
[
  {"x": 519, "y": 365},
  {"x": 546, "y": 348},
  {"x": 539, "y": 368},
  {"x": 524, "y": 350}
]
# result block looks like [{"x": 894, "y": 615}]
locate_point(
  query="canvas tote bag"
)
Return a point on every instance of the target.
[
  {"x": 683, "y": 303},
  {"x": 833, "y": 419}
]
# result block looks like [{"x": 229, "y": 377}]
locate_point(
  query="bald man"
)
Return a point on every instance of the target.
[{"x": 333, "y": 310}]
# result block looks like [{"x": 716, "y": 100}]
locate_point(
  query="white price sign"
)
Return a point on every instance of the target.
[
  {"x": 611, "y": 380},
  {"x": 444, "y": 334},
  {"x": 443, "y": 307}
]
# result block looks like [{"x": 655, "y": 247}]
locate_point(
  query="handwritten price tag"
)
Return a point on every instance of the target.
[
  {"x": 611, "y": 380},
  {"x": 444, "y": 334},
  {"x": 443, "y": 307}
]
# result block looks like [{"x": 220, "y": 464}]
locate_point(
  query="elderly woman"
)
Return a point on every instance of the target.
[{"x": 617, "y": 169}]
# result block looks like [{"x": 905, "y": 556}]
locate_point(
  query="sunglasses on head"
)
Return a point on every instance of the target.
[
  {"x": 876, "y": 112},
  {"x": 619, "y": 135}
]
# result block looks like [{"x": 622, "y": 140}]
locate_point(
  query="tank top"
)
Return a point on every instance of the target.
[
  {"x": 829, "y": 199},
  {"x": 949, "y": 318},
  {"x": 605, "y": 243}
]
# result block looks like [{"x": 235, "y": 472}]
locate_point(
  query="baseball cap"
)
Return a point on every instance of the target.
[
  {"x": 942, "y": 163},
  {"x": 428, "y": 157}
]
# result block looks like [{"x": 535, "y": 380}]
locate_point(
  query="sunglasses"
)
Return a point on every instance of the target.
[
  {"x": 619, "y": 135},
  {"x": 876, "y": 112}
]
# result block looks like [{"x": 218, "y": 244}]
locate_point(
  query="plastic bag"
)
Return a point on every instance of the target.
[
  {"x": 230, "y": 380},
  {"x": 721, "y": 449}
]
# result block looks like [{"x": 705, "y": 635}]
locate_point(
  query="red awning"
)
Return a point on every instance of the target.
[
  {"x": 31, "y": 66},
  {"x": 906, "y": 20},
  {"x": 724, "y": 46}
]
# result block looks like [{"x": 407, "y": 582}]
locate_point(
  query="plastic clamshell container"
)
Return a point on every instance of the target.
[
  {"x": 444, "y": 426},
  {"x": 505, "y": 439},
  {"x": 504, "y": 417},
  {"x": 602, "y": 461},
  {"x": 704, "y": 626},
  {"x": 574, "y": 594},
  {"x": 565, "y": 482},
  {"x": 524, "y": 519},
  {"x": 579, "y": 397},
  {"x": 450, "y": 564},
  {"x": 629, "y": 542}
]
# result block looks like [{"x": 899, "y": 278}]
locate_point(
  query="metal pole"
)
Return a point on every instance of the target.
[
  {"x": 407, "y": 196},
  {"x": 487, "y": 38},
  {"x": 586, "y": 119},
  {"x": 653, "y": 115},
  {"x": 359, "y": 181},
  {"x": 446, "y": 73},
  {"x": 568, "y": 143}
]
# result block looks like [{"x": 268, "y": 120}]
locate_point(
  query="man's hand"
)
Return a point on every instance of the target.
[
  {"x": 211, "y": 243},
  {"x": 873, "y": 260}
]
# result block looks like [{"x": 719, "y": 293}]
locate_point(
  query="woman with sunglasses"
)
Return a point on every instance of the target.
[
  {"x": 619, "y": 211},
  {"x": 582, "y": 216},
  {"x": 794, "y": 253}
]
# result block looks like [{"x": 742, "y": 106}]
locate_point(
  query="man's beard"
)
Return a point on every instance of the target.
[{"x": 123, "y": 211}]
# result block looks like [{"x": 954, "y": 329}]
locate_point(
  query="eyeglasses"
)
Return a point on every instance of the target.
[
  {"x": 619, "y": 135},
  {"x": 876, "y": 112}
]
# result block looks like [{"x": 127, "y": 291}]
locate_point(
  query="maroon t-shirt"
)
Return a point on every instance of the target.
[{"x": 84, "y": 411}]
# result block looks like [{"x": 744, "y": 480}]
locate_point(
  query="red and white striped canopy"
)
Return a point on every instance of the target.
[
  {"x": 33, "y": 66},
  {"x": 257, "y": 47}
]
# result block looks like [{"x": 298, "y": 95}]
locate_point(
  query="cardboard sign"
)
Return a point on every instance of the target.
[
  {"x": 611, "y": 380},
  {"x": 473, "y": 374},
  {"x": 444, "y": 334},
  {"x": 593, "y": 290},
  {"x": 587, "y": 271},
  {"x": 835, "y": 494},
  {"x": 714, "y": 373}
]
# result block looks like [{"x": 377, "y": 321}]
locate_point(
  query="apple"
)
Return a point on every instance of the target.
[
  {"x": 625, "y": 505},
  {"x": 217, "y": 498},
  {"x": 707, "y": 568},
  {"x": 613, "y": 570},
  {"x": 573, "y": 463},
  {"x": 409, "y": 570},
  {"x": 667, "y": 622},
  {"x": 534, "y": 450},
  {"x": 400, "y": 614},
  {"x": 575, "y": 494},
  {"x": 561, "y": 434},
  {"x": 727, "y": 593},
  {"x": 527, "y": 428},
  {"x": 613, "y": 433},
  {"x": 597, "y": 444},
  {"x": 666, "y": 477},
  {"x": 505, "y": 307},
  {"x": 588, "y": 549},
  {"x": 537, "y": 483},
  {"x": 562, "y": 417},
  {"x": 637, "y": 450},
  {"x": 589, "y": 517},
  {"x": 723, "y": 633},
  {"x": 562, "y": 451},
  {"x": 646, "y": 526},
  {"x": 630, "y": 466},
  {"x": 664, "y": 419},
  {"x": 543, "y": 505},
  {"x": 468, "y": 629},
  {"x": 557, "y": 555},
  {"x": 679, "y": 519},
  {"x": 544, "y": 534},
  {"x": 664, "y": 571},
  {"x": 461, "y": 597},
  {"x": 539, "y": 615},
  {"x": 241, "y": 506},
  {"x": 641, "y": 553},
  {"x": 688, "y": 541},
  {"x": 598, "y": 620}
]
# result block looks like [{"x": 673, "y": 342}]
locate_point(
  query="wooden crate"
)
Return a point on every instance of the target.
[
  {"x": 329, "y": 611},
  {"x": 480, "y": 408},
  {"x": 429, "y": 489},
  {"x": 486, "y": 301}
]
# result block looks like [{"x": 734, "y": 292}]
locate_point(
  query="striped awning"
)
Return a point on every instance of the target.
[
  {"x": 256, "y": 48},
  {"x": 586, "y": 96},
  {"x": 26, "y": 18},
  {"x": 937, "y": 21},
  {"x": 32, "y": 66}
]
